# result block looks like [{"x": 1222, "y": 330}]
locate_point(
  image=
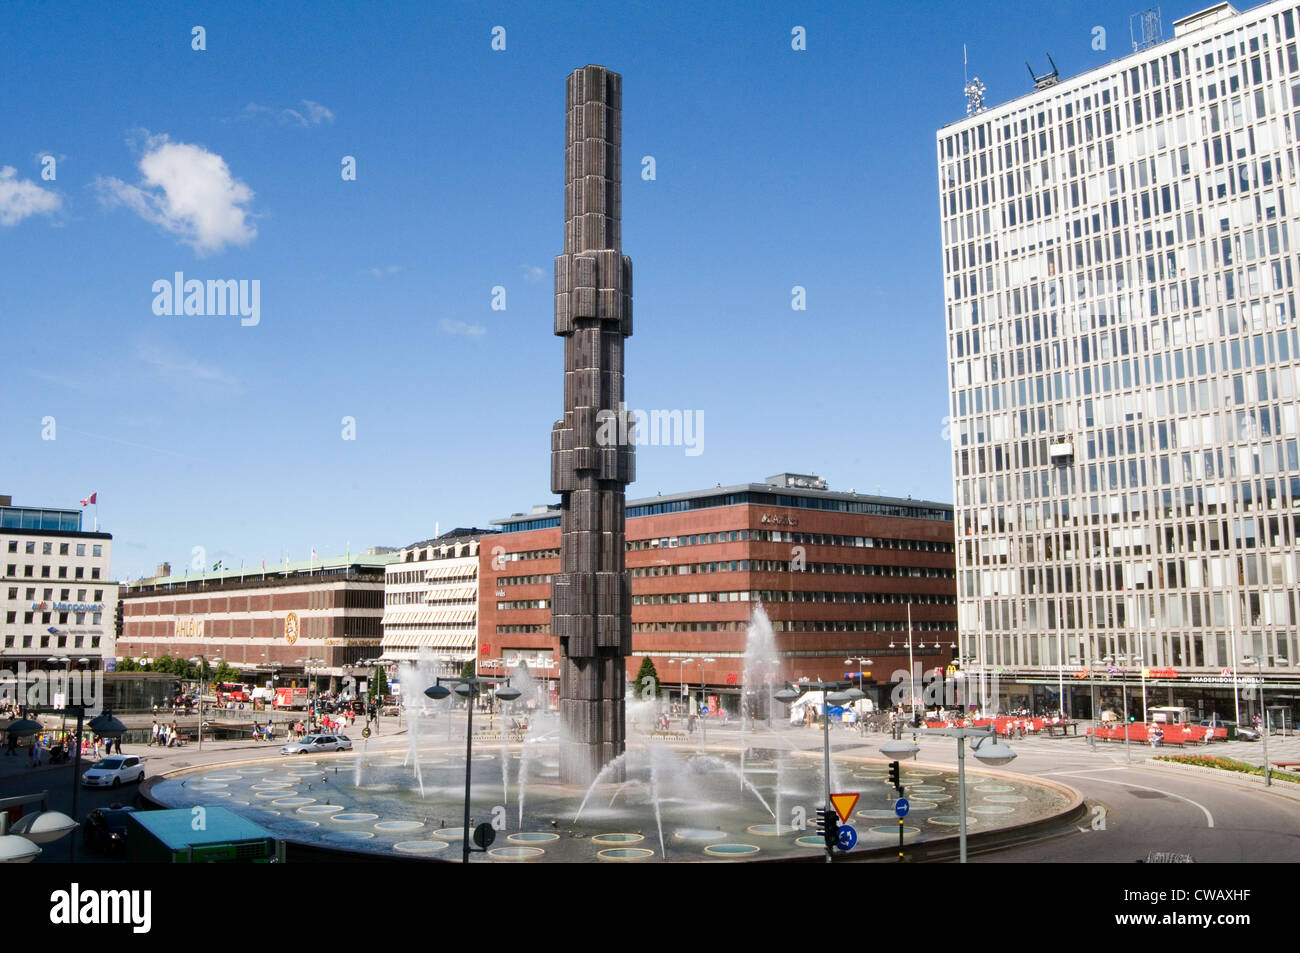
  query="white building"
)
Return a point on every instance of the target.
[
  {"x": 1120, "y": 275},
  {"x": 57, "y": 598},
  {"x": 431, "y": 600}
]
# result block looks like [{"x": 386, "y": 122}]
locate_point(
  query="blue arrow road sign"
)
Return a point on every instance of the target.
[
  {"x": 901, "y": 807},
  {"x": 848, "y": 837}
]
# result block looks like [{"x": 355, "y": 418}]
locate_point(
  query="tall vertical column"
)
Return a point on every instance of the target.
[{"x": 591, "y": 448}]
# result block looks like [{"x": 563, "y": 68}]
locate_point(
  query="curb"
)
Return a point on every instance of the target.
[{"x": 1286, "y": 789}]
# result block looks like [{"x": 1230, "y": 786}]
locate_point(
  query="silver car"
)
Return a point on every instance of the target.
[{"x": 318, "y": 743}]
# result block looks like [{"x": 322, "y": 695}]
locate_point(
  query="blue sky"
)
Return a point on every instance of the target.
[{"x": 774, "y": 168}]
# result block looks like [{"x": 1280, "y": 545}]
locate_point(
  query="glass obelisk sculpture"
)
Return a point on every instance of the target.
[{"x": 591, "y": 448}]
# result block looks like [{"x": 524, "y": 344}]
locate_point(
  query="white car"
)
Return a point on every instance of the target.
[
  {"x": 318, "y": 743},
  {"x": 111, "y": 772}
]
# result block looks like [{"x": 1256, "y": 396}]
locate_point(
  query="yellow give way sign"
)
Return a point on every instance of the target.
[{"x": 844, "y": 804}]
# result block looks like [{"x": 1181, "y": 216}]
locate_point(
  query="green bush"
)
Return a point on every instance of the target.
[{"x": 1227, "y": 764}]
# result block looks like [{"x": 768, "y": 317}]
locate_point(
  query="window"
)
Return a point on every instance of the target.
[
  {"x": 11, "y": 570},
  {"x": 81, "y": 549},
  {"x": 30, "y": 548},
  {"x": 13, "y": 592},
  {"x": 99, "y": 594},
  {"x": 27, "y": 570},
  {"x": 11, "y": 617},
  {"x": 97, "y": 550},
  {"x": 47, "y": 549},
  {"x": 80, "y": 571},
  {"x": 27, "y": 618},
  {"x": 63, "y": 594},
  {"x": 94, "y": 574},
  {"x": 13, "y": 545},
  {"x": 63, "y": 572},
  {"x": 63, "y": 549}
]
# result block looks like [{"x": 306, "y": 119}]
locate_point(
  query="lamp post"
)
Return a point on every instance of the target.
[
  {"x": 704, "y": 718},
  {"x": 995, "y": 755},
  {"x": 202, "y": 662},
  {"x": 1120, "y": 660},
  {"x": 1263, "y": 721},
  {"x": 681, "y": 675},
  {"x": 831, "y": 691},
  {"x": 469, "y": 689}
]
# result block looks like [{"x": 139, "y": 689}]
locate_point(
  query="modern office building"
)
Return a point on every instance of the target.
[
  {"x": 57, "y": 598},
  {"x": 431, "y": 600},
  {"x": 318, "y": 616},
  {"x": 836, "y": 572},
  {"x": 1120, "y": 275}
]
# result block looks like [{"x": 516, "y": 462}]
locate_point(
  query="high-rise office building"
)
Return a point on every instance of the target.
[{"x": 1120, "y": 274}]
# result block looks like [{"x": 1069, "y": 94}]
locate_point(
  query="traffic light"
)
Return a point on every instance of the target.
[
  {"x": 894, "y": 778},
  {"x": 828, "y": 825}
]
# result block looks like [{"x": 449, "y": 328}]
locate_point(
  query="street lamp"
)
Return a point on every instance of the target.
[
  {"x": 1119, "y": 660},
  {"x": 861, "y": 662},
  {"x": 704, "y": 717},
  {"x": 681, "y": 675},
  {"x": 831, "y": 692},
  {"x": 18, "y": 842},
  {"x": 995, "y": 754},
  {"x": 469, "y": 689},
  {"x": 202, "y": 662},
  {"x": 1263, "y": 721}
]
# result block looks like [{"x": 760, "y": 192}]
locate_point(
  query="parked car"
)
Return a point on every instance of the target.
[
  {"x": 318, "y": 743},
  {"x": 1247, "y": 734},
  {"x": 105, "y": 829},
  {"x": 111, "y": 772},
  {"x": 389, "y": 711}
]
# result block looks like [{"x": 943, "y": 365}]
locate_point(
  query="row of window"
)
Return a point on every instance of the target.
[
  {"x": 864, "y": 598},
  {"x": 1178, "y": 650},
  {"x": 426, "y": 598},
  {"x": 48, "y": 594},
  {"x": 78, "y": 641},
  {"x": 29, "y": 618},
  {"x": 11, "y": 570},
  {"x": 47, "y": 549}
]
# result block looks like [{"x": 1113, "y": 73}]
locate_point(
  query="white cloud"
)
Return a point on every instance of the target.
[
  {"x": 311, "y": 114},
  {"x": 189, "y": 192},
  {"x": 531, "y": 272},
  {"x": 460, "y": 327},
  {"x": 378, "y": 272},
  {"x": 21, "y": 198}
]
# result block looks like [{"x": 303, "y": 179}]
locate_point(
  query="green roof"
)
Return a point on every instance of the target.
[{"x": 274, "y": 569}]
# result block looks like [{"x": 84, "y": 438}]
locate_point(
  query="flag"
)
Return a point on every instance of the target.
[
  {"x": 90, "y": 499},
  {"x": 216, "y": 565}
]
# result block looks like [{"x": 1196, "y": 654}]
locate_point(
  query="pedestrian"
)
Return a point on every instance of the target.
[{"x": 153, "y": 733}]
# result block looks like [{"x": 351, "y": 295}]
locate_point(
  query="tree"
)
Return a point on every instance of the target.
[
  {"x": 127, "y": 665},
  {"x": 380, "y": 684},
  {"x": 467, "y": 670},
  {"x": 649, "y": 671}
]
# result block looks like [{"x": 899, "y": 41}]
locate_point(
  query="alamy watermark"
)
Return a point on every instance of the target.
[
  {"x": 656, "y": 428},
  {"x": 42, "y": 688},
  {"x": 180, "y": 296}
]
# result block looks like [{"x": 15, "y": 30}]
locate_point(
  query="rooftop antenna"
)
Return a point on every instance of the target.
[
  {"x": 973, "y": 88},
  {"x": 1047, "y": 80},
  {"x": 1145, "y": 28}
]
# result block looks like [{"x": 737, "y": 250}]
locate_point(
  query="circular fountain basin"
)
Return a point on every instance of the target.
[
  {"x": 893, "y": 831},
  {"x": 732, "y": 850},
  {"x": 349, "y": 835},
  {"x": 516, "y": 853},
  {"x": 405, "y": 827},
  {"x": 625, "y": 854},
  {"x": 679, "y": 797},
  {"x": 952, "y": 820},
  {"x": 532, "y": 837},
  {"x": 618, "y": 838},
  {"x": 697, "y": 835}
]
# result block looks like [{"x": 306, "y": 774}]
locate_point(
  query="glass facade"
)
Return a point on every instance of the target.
[
  {"x": 1120, "y": 270},
  {"x": 27, "y": 517}
]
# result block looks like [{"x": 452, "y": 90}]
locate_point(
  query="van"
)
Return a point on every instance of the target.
[{"x": 1170, "y": 715}]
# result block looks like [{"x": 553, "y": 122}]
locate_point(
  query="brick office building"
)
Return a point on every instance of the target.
[
  {"x": 836, "y": 573},
  {"x": 329, "y": 609}
]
